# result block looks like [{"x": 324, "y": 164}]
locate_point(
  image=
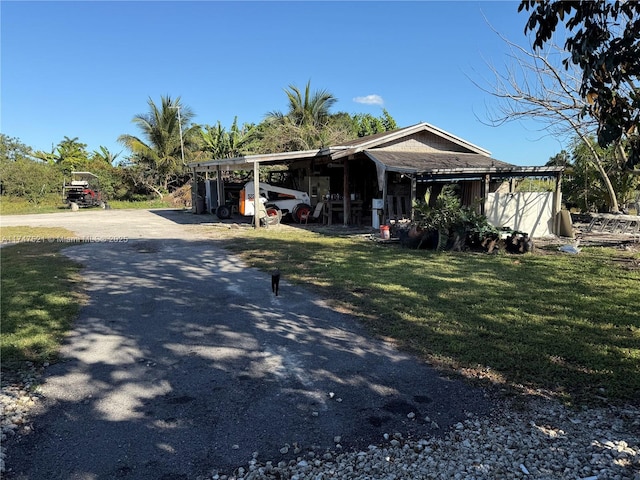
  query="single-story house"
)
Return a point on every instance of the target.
[{"x": 378, "y": 178}]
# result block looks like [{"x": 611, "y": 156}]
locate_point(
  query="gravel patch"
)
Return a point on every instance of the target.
[
  {"x": 544, "y": 441},
  {"x": 17, "y": 399},
  {"x": 538, "y": 439}
]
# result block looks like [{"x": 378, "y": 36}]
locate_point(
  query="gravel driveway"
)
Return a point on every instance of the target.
[{"x": 183, "y": 363}]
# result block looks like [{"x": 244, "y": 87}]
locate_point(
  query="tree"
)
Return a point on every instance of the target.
[
  {"x": 23, "y": 175},
  {"x": 158, "y": 154},
  {"x": 12, "y": 149},
  {"x": 220, "y": 143},
  {"x": 367, "y": 124},
  {"x": 306, "y": 125},
  {"x": 104, "y": 155},
  {"x": 604, "y": 43},
  {"x": 583, "y": 187},
  {"x": 69, "y": 155},
  {"x": 537, "y": 87},
  {"x": 308, "y": 109}
]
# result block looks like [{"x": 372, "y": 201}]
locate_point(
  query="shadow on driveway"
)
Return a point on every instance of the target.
[{"x": 184, "y": 363}]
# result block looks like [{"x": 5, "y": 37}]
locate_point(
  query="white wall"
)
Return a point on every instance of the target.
[{"x": 530, "y": 212}]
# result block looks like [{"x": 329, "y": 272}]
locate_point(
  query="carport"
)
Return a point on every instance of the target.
[{"x": 376, "y": 179}]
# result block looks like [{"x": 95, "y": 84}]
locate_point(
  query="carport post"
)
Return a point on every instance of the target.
[
  {"x": 485, "y": 194},
  {"x": 414, "y": 194},
  {"x": 346, "y": 194},
  {"x": 256, "y": 195},
  {"x": 220, "y": 183},
  {"x": 385, "y": 208},
  {"x": 194, "y": 190},
  {"x": 557, "y": 204}
]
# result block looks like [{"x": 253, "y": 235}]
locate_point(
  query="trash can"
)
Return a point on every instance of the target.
[{"x": 200, "y": 205}]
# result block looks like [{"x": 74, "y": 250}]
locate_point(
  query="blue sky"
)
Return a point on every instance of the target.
[{"x": 84, "y": 69}]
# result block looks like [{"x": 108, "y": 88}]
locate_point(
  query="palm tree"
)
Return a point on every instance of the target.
[
  {"x": 307, "y": 109},
  {"x": 71, "y": 153},
  {"x": 220, "y": 143},
  {"x": 160, "y": 149},
  {"x": 304, "y": 126},
  {"x": 105, "y": 156}
]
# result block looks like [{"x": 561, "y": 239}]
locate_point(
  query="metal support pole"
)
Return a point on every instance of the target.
[{"x": 181, "y": 140}]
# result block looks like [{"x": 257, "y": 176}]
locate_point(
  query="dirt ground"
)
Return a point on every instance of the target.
[{"x": 626, "y": 245}]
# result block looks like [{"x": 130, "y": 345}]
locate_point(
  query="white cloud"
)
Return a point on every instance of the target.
[{"x": 370, "y": 100}]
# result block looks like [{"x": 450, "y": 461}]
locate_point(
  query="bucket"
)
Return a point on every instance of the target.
[{"x": 384, "y": 232}]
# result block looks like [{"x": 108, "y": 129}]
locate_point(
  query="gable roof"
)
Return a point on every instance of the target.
[
  {"x": 383, "y": 139},
  {"x": 389, "y": 151}
]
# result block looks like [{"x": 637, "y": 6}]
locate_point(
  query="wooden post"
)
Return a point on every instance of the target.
[
  {"x": 256, "y": 195},
  {"x": 194, "y": 190},
  {"x": 414, "y": 190},
  {"x": 485, "y": 193},
  {"x": 346, "y": 194},
  {"x": 385, "y": 209},
  {"x": 220, "y": 185},
  {"x": 557, "y": 204}
]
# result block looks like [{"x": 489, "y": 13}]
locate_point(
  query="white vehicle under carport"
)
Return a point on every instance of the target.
[{"x": 278, "y": 202}]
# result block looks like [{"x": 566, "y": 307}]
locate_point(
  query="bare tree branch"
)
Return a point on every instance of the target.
[{"x": 535, "y": 85}]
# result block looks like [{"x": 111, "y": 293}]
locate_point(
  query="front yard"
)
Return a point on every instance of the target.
[{"x": 547, "y": 323}]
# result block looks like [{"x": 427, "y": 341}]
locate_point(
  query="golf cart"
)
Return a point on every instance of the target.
[{"x": 83, "y": 190}]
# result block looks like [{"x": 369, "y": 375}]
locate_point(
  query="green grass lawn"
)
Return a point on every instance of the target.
[
  {"x": 40, "y": 295},
  {"x": 54, "y": 203},
  {"x": 567, "y": 325},
  {"x": 564, "y": 325},
  {"x": 18, "y": 206}
]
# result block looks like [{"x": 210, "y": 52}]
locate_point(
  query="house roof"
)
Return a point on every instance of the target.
[
  {"x": 270, "y": 158},
  {"x": 419, "y": 162},
  {"x": 385, "y": 138},
  {"x": 385, "y": 149},
  {"x": 450, "y": 165}
]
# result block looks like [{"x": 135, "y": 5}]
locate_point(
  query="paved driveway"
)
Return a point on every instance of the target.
[{"x": 184, "y": 363}]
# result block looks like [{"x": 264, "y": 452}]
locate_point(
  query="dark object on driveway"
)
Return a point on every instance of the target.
[
  {"x": 275, "y": 281},
  {"x": 83, "y": 190}
]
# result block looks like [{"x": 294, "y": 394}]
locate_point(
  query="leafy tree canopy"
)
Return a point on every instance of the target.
[
  {"x": 12, "y": 149},
  {"x": 367, "y": 124}
]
